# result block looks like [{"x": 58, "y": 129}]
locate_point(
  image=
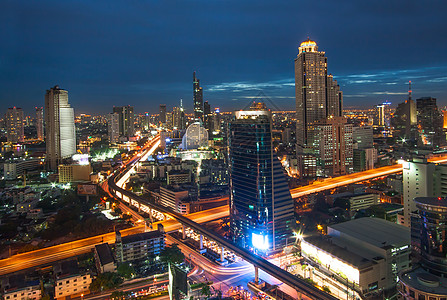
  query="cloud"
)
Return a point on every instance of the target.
[{"x": 241, "y": 86}]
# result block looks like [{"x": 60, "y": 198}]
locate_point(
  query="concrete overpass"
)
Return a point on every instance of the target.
[{"x": 299, "y": 284}]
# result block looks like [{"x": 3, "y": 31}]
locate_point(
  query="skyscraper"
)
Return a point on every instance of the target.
[
  {"x": 162, "y": 113},
  {"x": 319, "y": 104},
  {"x": 430, "y": 123},
  {"x": 14, "y": 125},
  {"x": 261, "y": 208},
  {"x": 207, "y": 117},
  {"x": 39, "y": 123},
  {"x": 113, "y": 127},
  {"x": 317, "y": 94},
  {"x": 126, "y": 120},
  {"x": 197, "y": 98},
  {"x": 60, "y": 127}
]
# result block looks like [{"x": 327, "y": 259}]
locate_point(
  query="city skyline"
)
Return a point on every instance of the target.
[{"x": 126, "y": 55}]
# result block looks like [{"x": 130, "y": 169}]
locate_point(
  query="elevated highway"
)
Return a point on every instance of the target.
[{"x": 300, "y": 285}]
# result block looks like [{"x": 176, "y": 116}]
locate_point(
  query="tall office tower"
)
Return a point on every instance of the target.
[
  {"x": 379, "y": 115},
  {"x": 14, "y": 125},
  {"x": 317, "y": 94},
  {"x": 319, "y": 103},
  {"x": 39, "y": 123},
  {"x": 363, "y": 137},
  {"x": 169, "y": 120},
  {"x": 162, "y": 113},
  {"x": 60, "y": 127},
  {"x": 387, "y": 111},
  {"x": 178, "y": 117},
  {"x": 216, "y": 119},
  {"x": 427, "y": 278},
  {"x": 332, "y": 140},
  {"x": 430, "y": 123},
  {"x": 405, "y": 119},
  {"x": 197, "y": 98},
  {"x": 126, "y": 120},
  {"x": 113, "y": 127},
  {"x": 261, "y": 207},
  {"x": 207, "y": 117}
]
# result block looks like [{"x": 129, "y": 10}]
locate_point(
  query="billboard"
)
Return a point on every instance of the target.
[{"x": 87, "y": 189}]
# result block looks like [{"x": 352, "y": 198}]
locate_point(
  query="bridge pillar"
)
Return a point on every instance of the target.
[
  {"x": 184, "y": 231},
  {"x": 222, "y": 250},
  {"x": 201, "y": 241},
  {"x": 256, "y": 275}
]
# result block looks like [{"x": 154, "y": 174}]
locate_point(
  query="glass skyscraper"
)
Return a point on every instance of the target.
[
  {"x": 197, "y": 98},
  {"x": 261, "y": 208}
]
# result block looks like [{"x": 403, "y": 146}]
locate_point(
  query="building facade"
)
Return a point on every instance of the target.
[
  {"x": 126, "y": 120},
  {"x": 113, "y": 128},
  {"x": 39, "y": 123},
  {"x": 261, "y": 208},
  {"x": 147, "y": 245},
  {"x": 197, "y": 98},
  {"x": 14, "y": 125},
  {"x": 427, "y": 278},
  {"x": 60, "y": 127},
  {"x": 319, "y": 105}
]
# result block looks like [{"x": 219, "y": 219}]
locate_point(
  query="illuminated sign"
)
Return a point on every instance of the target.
[
  {"x": 81, "y": 159},
  {"x": 260, "y": 241},
  {"x": 87, "y": 189}
]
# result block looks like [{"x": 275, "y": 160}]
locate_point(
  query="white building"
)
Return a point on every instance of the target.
[
  {"x": 31, "y": 291},
  {"x": 14, "y": 168},
  {"x": 60, "y": 127},
  {"x": 421, "y": 179},
  {"x": 70, "y": 281},
  {"x": 368, "y": 252}
]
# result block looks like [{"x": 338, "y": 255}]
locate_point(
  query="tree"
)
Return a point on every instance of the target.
[
  {"x": 126, "y": 270},
  {"x": 106, "y": 281},
  {"x": 172, "y": 254},
  {"x": 205, "y": 291},
  {"x": 118, "y": 210}
]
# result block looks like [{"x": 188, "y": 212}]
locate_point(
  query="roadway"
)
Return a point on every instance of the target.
[
  {"x": 300, "y": 285},
  {"x": 339, "y": 181}
]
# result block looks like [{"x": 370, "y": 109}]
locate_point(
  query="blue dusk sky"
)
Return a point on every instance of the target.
[{"x": 143, "y": 53}]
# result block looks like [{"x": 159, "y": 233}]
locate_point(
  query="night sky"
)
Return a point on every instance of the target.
[{"x": 143, "y": 53}]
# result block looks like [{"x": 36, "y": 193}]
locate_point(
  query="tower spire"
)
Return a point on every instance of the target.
[{"x": 409, "y": 90}]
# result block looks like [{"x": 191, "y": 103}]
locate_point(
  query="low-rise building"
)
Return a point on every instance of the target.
[
  {"x": 14, "y": 168},
  {"x": 15, "y": 287},
  {"x": 147, "y": 245},
  {"x": 179, "y": 177},
  {"x": 368, "y": 252},
  {"x": 74, "y": 172},
  {"x": 105, "y": 262},
  {"x": 70, "y": 281}
]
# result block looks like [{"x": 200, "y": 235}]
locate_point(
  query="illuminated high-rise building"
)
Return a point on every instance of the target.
[
  {"x": 162, "y": 114},
  {"x": 207, "y": 117},
  {"x": 197, "y": 98},
  {"x": 319, "y": 104},
  {"x": 14, "y": 125},
  {"x": 430, "y": 123},
  {"x": 261, "y": 207},
  {"x": 60, "y": 127},
  {"x": 113, "y": 128},
  {"x": 39, "y": 123},
  {"x": 126, "y": 120}
]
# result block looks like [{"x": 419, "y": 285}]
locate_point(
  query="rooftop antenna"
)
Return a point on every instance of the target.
[{"x": 409, "y": 90}]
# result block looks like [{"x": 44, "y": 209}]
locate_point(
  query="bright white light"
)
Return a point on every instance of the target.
[{"x": 260, "y": 241}]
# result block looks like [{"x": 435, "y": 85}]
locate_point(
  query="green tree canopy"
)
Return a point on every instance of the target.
[{"x": 172, "y": 254}]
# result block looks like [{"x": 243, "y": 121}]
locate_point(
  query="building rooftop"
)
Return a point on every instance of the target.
[
  {"x": 141, "y": 237},
  {"x": 376, "y": 232},
  {"x": 422, "y": 280},
  {"x": 104, "y": 254},
  {"x": 434, "y": 201},
  {"x": 349, "y": 257}
]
